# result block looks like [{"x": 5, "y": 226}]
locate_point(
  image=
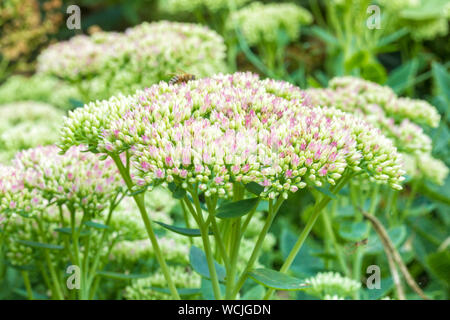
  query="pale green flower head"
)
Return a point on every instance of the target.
[
  {"x": 260, "y": 23},
  {"x": 425, "y": 19},
  {"x": 27, "y": 124},
  {"x": 42, "y": 88},
  {"x": 398, "y": 108},
  {"x": 425, "y": 166},
  {"x": 141, "y": 289},
  {"x": 108, "y": 63},
  {"x": 189, "y": 6},
  {"x": 328, "y": 285}
]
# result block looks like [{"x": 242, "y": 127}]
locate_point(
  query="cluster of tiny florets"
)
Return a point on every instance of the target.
[
  {"x": 398, "y": 108},
  {"x": 331, "y": 284},
  {"x": 398, "y": 119},
  {"x": 260, "y": 23},
  {"x": 227, "y": 128},
  {"x": 107, "y": 63},
  {"x": 189, "y": 6},
  {"x": 77, "y": 178},
  {"x": 25, "y": 125}
]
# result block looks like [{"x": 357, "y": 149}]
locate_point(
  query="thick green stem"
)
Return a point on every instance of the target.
[
  {"x": 255, "y": 254},
  {"x": 26, "y": 281},
  {"x": 139, "y": 199},
  {"x": 207, "y": 245}
]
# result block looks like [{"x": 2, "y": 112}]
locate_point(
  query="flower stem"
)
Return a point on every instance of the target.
[
  {"x": 26, "y": 281},
  {"x": 255, "y": 254},
  {"x": 207, "y": 245},
  {"x": 139, "y": 199},
  {"x": 309, "y": 225}
]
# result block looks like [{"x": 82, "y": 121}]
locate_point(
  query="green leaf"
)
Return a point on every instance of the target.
[
  {"x": 136, "y": 192},
  {"x": 353, "y": 231},
  {"x": 177, "y": 191},
  {"x": 181, "y": 291},
  {"x": 68, "y": 231},
  {"x": 439, "y": 263},
  {"x": 396, "y": 234},
  {"x": 96, "y": 225},
  {"x": 197, "y": 259},
  {"x": 121, "y": 276},
  {"x": 403, "y": 76},
  {"x": 236, "y": 209},
  {"x": 180, "y": 230},
  {"x": 255, "y": 293},
  {"x": 254, "y": 188},
  {"x": 324, "y": 35},
  {"x": 357, "y": 60},
  {"x": 277, "y": 280},
  {"x": 393, "y": 37},
  {"x": 40, "y": 245},
  {"x": 442, "y": 79}
]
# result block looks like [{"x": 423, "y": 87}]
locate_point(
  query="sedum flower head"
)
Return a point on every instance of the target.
[
  {"x": 25, "y": 125},
  {"x": 424, "y": 19},
  {"x": 228, "y": 128},
  {"x": 17, "y": 192},
  {"x": 425, "y": 166},
  {"x": 186, "y": 6},
  {"x": 331, "y": 284},
  {"x": 76, "y": 178},
  {"x": 369, "y": 93},
  {"x": 107, "y": 63},
  {"x": 40, "y": 88},
  {"x": 260, "y": 23},
  {"x": 407, "y": 136},
  {"x": 394, "y": 116},
  {"x": 141, "y": 289}
]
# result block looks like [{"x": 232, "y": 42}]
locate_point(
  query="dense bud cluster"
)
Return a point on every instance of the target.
[
  {"x": 396, "y": 117},
  {"x": 228, "y": 128},
  {"x": 260, "y": 23},
  {"x": 107, "y": 63},
  {"x": 330, "y": 284}
]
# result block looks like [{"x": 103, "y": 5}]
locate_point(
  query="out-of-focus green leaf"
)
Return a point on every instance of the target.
[
  {"x": 442, "y": 79},
  {"x": 439, "y": 263},
  {"x": 403, "y": 76},
  {"x": 353, "y": 231},
  {"x": 277, "y": 280},
  {"x": 198, "y": 261}
]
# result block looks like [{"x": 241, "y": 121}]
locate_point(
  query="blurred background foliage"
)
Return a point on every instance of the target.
[{"x": 306, "y": 43}]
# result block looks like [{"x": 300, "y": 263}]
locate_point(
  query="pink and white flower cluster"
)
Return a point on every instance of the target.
[
  {"x": 41, "y": 176},
  {"x": 398, "y": 118},
  {"x": 233, "y": 128}
]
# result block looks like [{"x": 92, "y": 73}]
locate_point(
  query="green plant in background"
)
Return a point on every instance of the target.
[
  {"x": 425, "y": 20},
  {"x": 214, "y": 13},
  {"x": 109, "y": 63},
  {"x": 45, "y": 89},
  {"x": 269, "y": 28},
  {"x": 25, "y": 125},
  {"x": 210, "y": 162}
]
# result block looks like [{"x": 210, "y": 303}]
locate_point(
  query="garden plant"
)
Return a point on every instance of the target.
[{"x": 219, "y": 149}]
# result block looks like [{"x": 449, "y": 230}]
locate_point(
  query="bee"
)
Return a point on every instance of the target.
[{"x": 181, "y": 78}]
